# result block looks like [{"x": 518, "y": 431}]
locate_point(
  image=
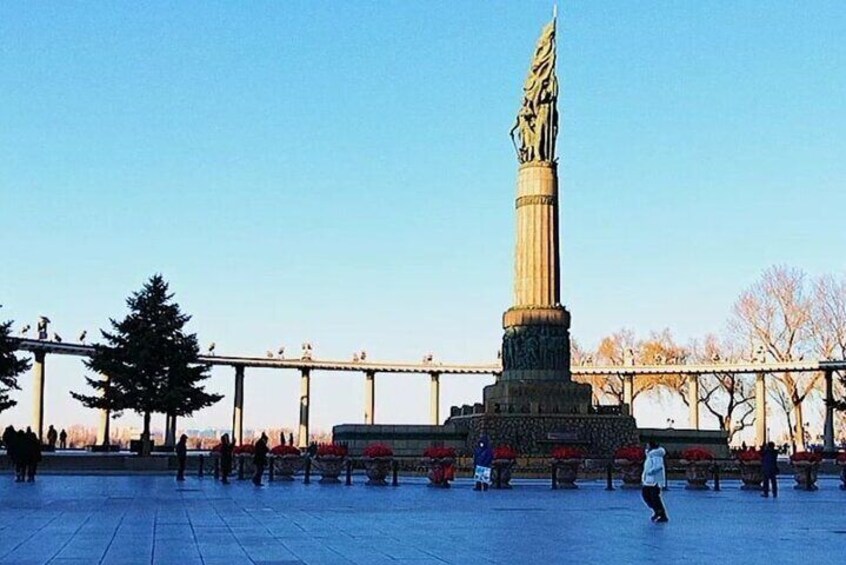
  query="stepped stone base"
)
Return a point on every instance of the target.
[{"x": 537, "y": 397}]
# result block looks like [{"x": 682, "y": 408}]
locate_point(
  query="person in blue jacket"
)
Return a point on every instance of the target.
[
  {"x": 483, "y": 457},
  {"x": 769, "y": 468}
]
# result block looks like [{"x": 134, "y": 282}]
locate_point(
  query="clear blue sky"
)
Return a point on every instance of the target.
[{"x": 342, "y": 173}]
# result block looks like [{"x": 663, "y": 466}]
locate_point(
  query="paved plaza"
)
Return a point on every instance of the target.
[{"x": 152, "y": 519}]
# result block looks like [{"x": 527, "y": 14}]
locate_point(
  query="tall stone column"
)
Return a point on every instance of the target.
[
  {"x": 369, "y": 397},
  {"x": 435, "y": 399},
  {"x": 103, "y": 430},
  {"x": 760, "y": 409},
  {"x": 238, "y": 407},
  {"x": 693, "y": 400},
  {"x": 305, "y": 393},
  {"x": 628, "y": 392},
  {"x": 38, "y": 394},
  {"x": 828, "y": 428}
]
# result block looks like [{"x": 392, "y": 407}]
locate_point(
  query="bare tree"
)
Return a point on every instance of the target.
[{"x": 775, "y": 312}]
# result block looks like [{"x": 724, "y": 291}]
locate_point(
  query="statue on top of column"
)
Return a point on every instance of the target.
[{"x": 536, "y": 128}]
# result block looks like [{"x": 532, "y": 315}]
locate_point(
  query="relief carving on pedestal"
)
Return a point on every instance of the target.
[{"x": 538, "y": 347}]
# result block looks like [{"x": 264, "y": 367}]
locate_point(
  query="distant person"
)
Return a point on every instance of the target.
[
  {"x": 181, "y": 457},
  {"x": 32, "y": 452},
  {"x": 226, "y": 450},
  {"x": 482, "y": 460},
  {"x": 260, "y": 458},
  {"x": 8, "y": 437},
  {"x": 290, "y": 439},
  {"x": 63, "y": 439},
  {"x": 654, "y": 475},
  {"x": 769, "y": 468},
  {"x": 312, "y": 450},
  {"x": 52, "y": 437}
]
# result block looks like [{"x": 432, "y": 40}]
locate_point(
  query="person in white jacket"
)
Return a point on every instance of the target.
[{"x": 654, "y": 476}]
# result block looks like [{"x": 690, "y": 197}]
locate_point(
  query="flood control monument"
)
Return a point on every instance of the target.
[{"x": 534, "y": 403}]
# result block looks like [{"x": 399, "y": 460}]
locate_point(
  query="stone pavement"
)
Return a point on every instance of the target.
[{"x": 152, "y": 519}]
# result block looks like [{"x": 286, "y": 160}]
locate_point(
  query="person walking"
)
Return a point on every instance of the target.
[
  {"x": 654, "y": 475},
  {"x": 181, "y": 457},
  {"x": 18, "y": 455},
  {"x": 769, "y": 468},
  {"x": 32, "y": 451},
  {"x": 63, "y": 439},
  {"x": 226, "y": 450},
  {"x": 482, "y": 460},
  {"x": 260, "y": 458}
]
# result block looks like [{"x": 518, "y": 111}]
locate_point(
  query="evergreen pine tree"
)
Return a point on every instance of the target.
[
  {"x": 10, "y": 366},
  {"x": 150, "y": 364}
]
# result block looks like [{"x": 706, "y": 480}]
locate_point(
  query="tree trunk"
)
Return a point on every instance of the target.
[
  {"x": 145, "y": 436},
  {"x": 800, "y": 427}
]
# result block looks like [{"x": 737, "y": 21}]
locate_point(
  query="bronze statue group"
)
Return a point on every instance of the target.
[{"x": 24, "y": 451}]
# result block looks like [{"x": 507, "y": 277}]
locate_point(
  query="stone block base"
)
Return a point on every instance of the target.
[{"x": 599, "y": 435}]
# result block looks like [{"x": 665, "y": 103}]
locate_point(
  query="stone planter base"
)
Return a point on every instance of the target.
[
  {"x": 502, "y": 467},
  {"x": 438, "y": 471},
  {"x": 803, "y": 471},
  {"x": 377, "y": 469},
  {"x": 631, "y": 472},
  {"x": 286, "y": 466},
  {"x": 697, "y": 474},
  {"x": 566, "y": 472},
  {"x": 329, "y": 467},
  {"x": 752, "y": 475}
]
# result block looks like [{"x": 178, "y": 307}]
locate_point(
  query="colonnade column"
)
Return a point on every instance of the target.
[
  {"x": 693, "y": 400},
  {"x": 238, "y": 407},
  {"x": 305, "y": 387},
  {"x": 104, "y": 429},
  {"x": 369, "y": 397},
  {"x": 828, "y": 431},
  {"x": 435, "y": 399},
  {"x": 760, "y": 409},
  {"x": 628, "y": 392},
  {"x": 38, "y": 394}
]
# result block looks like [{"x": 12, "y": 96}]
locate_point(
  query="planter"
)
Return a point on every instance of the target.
[
  {"x": 286, "y": 466},
  {"x": 377, "y": 469},
  {"x": 245, "y": 462},
  {"x": 566, "y": 472},
  {"x": 842, "y": 465},
  {"x": 697, "y": 474},
  {"x": 751, "y": 474},
  {"x": 805, "y": 474},
  {"x": 440, "y": 470},
  {"x": 502, "y": 468},
  {"x": 329, "y": 467},
  {"x": 631, "y": 472}
]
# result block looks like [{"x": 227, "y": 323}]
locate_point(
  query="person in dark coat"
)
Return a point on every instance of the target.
[
  {"x": 226, "y": 450},
  {"x": 52, "y": 437},
  {"x": 260, "y": 458},
  {"x": 18, "y": 455},
  {"x": 63, "y": 439},
  {"x": 181, "y": 457},
  {"x": 33, "y": 454},
  {"x": 10, "y": 439},
  {"x": 482, "y": 459},
  {"x": 769, "y": 468}
]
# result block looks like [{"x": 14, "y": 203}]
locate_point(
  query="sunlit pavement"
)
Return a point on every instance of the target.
[{"x": 154, "y": 519}]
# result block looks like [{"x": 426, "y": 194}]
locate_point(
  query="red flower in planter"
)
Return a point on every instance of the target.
[
  {"x": 378, "y": 450},
  {"x": 568, "y": 453},
  {"x": 285, "y": 450},
  {"x": 247, "y": 449},
  {"x": 505, "y": 452},
  {"x": 331, "y": 449},
  {"x": 697, "y": 454},
  {"x": 808, "y": 456},
  {"x": 749, "y": 455},
  {"x": 439, "y": 452},
  {"x": 630, "y": 452}
]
